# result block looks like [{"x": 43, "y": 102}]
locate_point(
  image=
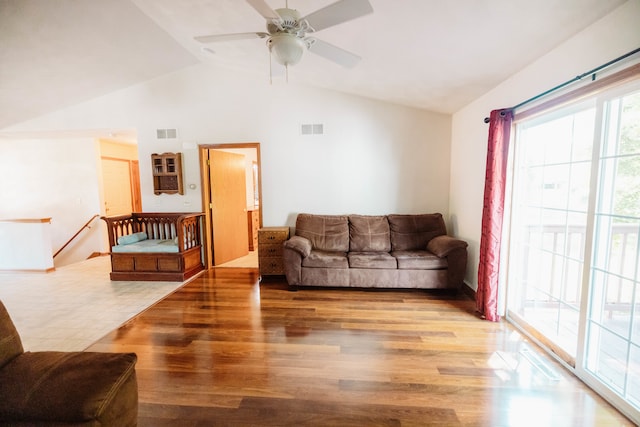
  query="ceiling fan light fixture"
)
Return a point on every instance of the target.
[
  {"x": 287, "y": 32},
  {"x": 286, "y": 48}
]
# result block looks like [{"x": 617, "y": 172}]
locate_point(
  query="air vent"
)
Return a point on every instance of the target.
[
  {"x": 166, "y": 133},
  {"x": 312, "y": 129}
]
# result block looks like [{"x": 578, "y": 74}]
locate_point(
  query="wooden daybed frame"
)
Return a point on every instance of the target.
[{"x": 183, "y": 230}]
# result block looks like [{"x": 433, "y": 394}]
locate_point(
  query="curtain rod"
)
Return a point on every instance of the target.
[{"x": 592, "y": 73}]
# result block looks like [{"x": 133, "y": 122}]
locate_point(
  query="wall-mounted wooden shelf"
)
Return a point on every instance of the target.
[{"x": 167, "y": 173}]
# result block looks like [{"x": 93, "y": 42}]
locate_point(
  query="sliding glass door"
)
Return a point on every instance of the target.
[
  {"x": 574, "y": 252},
  {"x": 612, "y": 353},
  {"x": 549, "y": 222}
]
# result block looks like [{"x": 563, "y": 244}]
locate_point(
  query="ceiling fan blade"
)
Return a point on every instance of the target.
[
  {"x": 263, "y": 9},
  {"x": 337, "y": 13},
  {"x": 334, "y": 53},
  {"x": 228, "y": 37}
]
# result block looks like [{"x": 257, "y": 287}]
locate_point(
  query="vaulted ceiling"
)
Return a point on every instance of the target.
[{"x": 431, "y": 54}]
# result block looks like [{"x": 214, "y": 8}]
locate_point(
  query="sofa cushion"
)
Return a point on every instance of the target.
[
  {"x": 70, "y": 387},
  {"x": 413, "y": 232},
  {"x": 153, "y": 245},
  {"x": 326, "y": 259},
  {"x": 326, "y": 232},
  {"x": 369, "y": 234},
  {"x": 10, "y": 343},
  {"x": 371, "y": 260},
  {"x": 418, "y": 260}
]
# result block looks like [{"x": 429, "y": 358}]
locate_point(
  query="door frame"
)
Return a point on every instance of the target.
[{"x": 206, "y": 191}]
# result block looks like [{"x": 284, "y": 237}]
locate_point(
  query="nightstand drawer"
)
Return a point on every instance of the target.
[
  {"x": 273, "y": 234},
  {"x": 271, "y": 266},
  {"x": 270, "y": 250}
]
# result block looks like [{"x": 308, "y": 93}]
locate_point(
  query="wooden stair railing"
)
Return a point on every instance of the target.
[{"x": 76, "y": 235}]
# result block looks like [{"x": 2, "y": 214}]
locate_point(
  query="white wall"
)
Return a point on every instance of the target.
[
  {"x": 609, "y": 38},
  {"x": 374, "y": 158},
  {"x": 58, "y": 179},
  {"x": 35, "y": 251}
]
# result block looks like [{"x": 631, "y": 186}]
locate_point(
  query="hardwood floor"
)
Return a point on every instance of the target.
[{"x": 225, "y": 350}]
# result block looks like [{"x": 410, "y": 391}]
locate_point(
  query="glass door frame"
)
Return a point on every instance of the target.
[{"x": 578, "y": 366}]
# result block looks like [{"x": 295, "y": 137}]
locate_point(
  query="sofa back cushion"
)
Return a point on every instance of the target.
[
  {"x": 369, "y": 234},
  {"x": 10, "y": 343},
  {"x": 326, "y": 232},
  {"x": 413, "y": 232}
]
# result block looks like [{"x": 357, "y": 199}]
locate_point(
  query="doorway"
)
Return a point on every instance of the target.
[
  {"x": 120, "y": 178},
  {"x": 231, "y": 201}
]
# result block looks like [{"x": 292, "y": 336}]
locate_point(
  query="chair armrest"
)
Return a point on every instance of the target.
[
  {"x": 441, "y": 246},
  {"x": 299, "y": 244}
]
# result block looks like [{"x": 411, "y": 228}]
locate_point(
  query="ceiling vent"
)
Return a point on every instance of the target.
[
  {"x": 312, "y": 129},
  {"x": 166, "y": 133}
]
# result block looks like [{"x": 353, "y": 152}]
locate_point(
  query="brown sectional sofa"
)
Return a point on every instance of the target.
[
  {"x": 64, "y": 388},
  {"x": 385, "y": 251}
]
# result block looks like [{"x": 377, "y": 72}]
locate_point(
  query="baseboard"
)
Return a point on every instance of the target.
[
  {"x": 97, "y": 254},
  {"x": 468, "y": 290},
  {"x": 48, "y": 270}
]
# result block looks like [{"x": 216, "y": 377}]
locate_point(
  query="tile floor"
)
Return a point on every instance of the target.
[{"x": 74, "y": 306}]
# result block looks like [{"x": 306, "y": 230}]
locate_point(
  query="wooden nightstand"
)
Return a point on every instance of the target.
[{"x": 270, "y": 240}]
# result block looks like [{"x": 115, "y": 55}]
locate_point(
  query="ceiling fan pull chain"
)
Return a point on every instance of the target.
[{"x": 270, "y": 69}]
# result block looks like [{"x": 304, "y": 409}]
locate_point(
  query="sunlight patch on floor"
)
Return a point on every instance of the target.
[{"x": 247, "y": 261}]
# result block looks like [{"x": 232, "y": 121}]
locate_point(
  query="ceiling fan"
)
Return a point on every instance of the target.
[{"x": 287, "y": 32}]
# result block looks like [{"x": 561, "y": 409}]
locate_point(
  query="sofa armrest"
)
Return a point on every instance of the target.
[
  {"x": 294, "y": 250},
  {"x": 441, "y": 246},
  {"x": 299, "y": 244}
]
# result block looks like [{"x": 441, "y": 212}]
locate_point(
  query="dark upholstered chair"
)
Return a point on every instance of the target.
[{"x": 64, "y": 388}]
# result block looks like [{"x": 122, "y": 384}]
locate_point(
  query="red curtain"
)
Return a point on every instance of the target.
[{"x": 492, "y": 213}]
